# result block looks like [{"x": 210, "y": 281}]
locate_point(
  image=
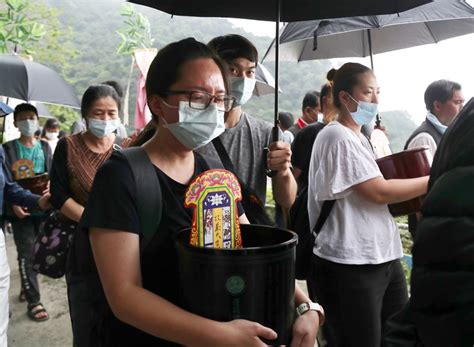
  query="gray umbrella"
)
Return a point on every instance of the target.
[
  {"x": 30, "y": 81},
  {"x": 265, "y": 83},
  {"x": 368, "y": 35}
]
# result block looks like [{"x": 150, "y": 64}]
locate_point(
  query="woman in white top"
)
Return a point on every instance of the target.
[{"x": 356, "y": 272}]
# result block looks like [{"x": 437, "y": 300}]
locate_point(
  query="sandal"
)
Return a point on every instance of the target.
[
  {"x": 22, "y": 296},
  {"x": 37, "y": 312}
]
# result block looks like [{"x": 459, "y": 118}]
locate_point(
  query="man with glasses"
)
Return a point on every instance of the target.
[{"x": 246, "y": 137}]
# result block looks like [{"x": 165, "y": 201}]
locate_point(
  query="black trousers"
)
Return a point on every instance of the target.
[
  {"x": 24, "y": 233},
  {"x": 357, "y": 299}
]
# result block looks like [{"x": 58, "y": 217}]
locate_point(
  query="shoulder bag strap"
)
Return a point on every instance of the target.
[
  {"x": 323, "y": 216},
  {"x": 223, "y": 155},
  {"x": 225, "y": 159}
]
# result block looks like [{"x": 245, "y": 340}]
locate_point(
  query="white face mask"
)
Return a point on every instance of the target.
[
  {"x": 27, "y": 127},
  {"x": 196, "y": 128},
  {"x": 102, "y": 128},
  {"x": 242, "y": 89},
  {"x": 52, "y": 135}
]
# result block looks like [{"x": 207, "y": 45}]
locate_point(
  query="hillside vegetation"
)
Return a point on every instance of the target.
[{"x": 89, "y": 29}]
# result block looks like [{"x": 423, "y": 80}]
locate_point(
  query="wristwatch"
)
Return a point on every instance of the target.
[{"x": 311, "y": 306}]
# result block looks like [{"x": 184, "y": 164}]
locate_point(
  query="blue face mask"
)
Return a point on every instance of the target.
[
  {"x": 101, "y": 128},
  {"x": 365, "y": 113},
  {"x": 196, "y": 128},
  {"x": 242, "y": 89},
  {"x": 27, "y": 127},
  {"x": 436, "y": 123}
]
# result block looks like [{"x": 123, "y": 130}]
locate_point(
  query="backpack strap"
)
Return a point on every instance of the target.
[
  {"x": 149, "y": 202},
  {"x": 323, "y": 215},
  {"x": 48, "y": 155},
  {"x": 223, "y": 155}
]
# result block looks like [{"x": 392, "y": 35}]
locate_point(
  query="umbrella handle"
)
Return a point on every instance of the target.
[{"x": 275, "y": 138}]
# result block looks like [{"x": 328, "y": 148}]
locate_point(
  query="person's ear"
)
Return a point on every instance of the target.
[
  {"x": 437, "y": 106},
  {"x": 344, "y": 98},
  {"x": 154, "y": 103}
]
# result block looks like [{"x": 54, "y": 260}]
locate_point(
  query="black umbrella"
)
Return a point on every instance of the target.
[
  {"x": 291, "y": 10},
  {"x": 284, "y": 10},
  {"x": 280, "y": 10},
  {"x": 31, "y": 81}
]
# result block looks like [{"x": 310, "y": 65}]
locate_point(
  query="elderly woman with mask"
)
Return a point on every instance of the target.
[{"x": 78, "y": 157}]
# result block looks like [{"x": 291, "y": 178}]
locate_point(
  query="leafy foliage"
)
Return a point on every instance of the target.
[
  {"x": 136, "y": 33},
  {"x": 18, "y": 30},
  {"x": 65, "y": 115},
  {"x": 81, "y": 43}
]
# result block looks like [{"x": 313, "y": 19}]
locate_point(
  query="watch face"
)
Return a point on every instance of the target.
[{"x": 302, "y": 308}]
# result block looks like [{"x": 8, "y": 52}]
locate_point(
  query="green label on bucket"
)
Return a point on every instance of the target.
[{"x": 235, "y": 285}]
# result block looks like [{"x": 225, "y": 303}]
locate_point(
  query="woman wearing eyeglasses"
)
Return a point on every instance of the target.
[{"x": 187, "y": 94}]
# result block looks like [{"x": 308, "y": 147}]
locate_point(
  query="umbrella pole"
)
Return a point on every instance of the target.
[
  {"x": 369, "y": 37},
  {"x": 378, "y": 119},
  {"x": 275, "y": 130},
  {"x": 277, "y": 62}
]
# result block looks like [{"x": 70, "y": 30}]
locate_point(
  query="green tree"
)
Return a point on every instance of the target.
[
  {"x": 55, "y": 49},
  {"x": 18, "y": 30},
  {"x": 136, "y": 33},
  {"x": 35, "y": 29}
]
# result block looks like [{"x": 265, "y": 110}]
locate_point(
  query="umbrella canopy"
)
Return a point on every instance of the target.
[
  {"x": 265, "y": 83},
  {"x": 280, "y": 10},
  {"x": 364, "y": 36},
  {"x": 30, "y": 81},
  {"x": 5, "y": 109},
  {"x": 293, "y": 10}
]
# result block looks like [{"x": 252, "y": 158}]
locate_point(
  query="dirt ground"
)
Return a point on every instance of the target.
[{"x": 23, "y": 332}]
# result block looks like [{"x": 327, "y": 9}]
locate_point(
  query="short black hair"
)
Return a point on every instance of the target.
[
  {"x": 441, "y": 90},
  {"x": 233, "y": 46},
  {"x": 116, "y": 86},
  {"x": 94, "y": 93},
  {"x": 51, "y": 123},
  {"x": 165, "y": 68},
  {"x": 311, "y": 99},
  {"x": 286, "y": 120},
  {"x": 25, "y": 107}
]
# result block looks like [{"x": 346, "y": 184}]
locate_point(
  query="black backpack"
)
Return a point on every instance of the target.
[
  {"x": 299, "y": 223},
  {"x": 95, "y": 310}
]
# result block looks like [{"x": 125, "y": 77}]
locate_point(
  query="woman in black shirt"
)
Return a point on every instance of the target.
[{"x": 186, "y": 88}]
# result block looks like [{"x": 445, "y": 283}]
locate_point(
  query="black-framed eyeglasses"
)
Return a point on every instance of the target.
[{"x": 200, "y": 100}]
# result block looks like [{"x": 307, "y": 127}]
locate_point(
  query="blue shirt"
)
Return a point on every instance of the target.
[{"x": 10, "y": 191}]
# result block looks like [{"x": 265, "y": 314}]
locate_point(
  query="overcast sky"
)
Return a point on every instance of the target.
[{"x": 404, "y": 75}]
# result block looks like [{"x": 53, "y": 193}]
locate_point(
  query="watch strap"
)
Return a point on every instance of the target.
[{"x": 311, "y": 306}]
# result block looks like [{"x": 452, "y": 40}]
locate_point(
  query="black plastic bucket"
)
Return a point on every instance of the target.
[{"x": 256, "y": 282}]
